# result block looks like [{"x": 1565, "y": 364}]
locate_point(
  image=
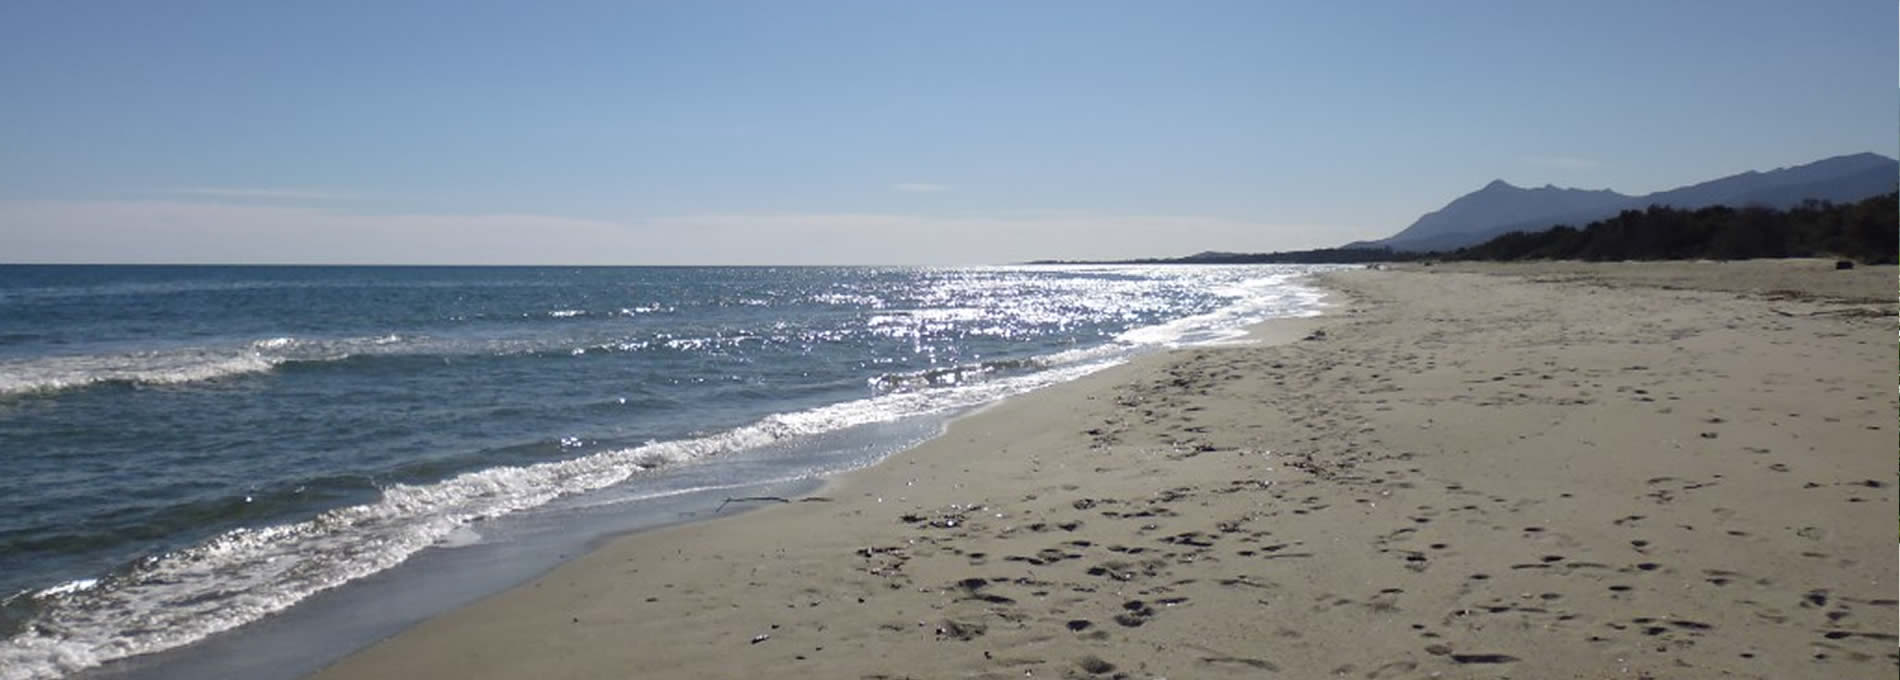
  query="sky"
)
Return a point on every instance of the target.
[{"x": 805, "y": 132}]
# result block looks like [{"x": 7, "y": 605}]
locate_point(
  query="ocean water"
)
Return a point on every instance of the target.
[{"x": 191, "y": 449}]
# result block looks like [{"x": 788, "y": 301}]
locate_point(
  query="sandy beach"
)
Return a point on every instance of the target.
[{"x": 1671, "y": 470}]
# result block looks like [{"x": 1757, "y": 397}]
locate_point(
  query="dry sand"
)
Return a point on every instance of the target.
[{"x": 1558, "y": 471}]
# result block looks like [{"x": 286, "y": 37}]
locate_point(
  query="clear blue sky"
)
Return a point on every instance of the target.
[{"x": 900, "y": 132}]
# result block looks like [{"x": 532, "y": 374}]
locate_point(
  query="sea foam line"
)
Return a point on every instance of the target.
[
  {"x": 55, "y": 375},
  {"x": 1255, "y": 300}
]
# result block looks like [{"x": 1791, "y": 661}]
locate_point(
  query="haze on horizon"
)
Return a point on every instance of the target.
[{"x": 879, "y": 133}]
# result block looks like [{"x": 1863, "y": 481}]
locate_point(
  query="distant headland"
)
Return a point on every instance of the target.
[{"x": 1836, "y": 207}]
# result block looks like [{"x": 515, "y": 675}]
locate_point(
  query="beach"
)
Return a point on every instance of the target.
[{"x": 1669, "y": 470}]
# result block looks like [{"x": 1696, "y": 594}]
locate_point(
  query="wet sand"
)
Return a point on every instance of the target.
[{"x": 1528, "y": 471}]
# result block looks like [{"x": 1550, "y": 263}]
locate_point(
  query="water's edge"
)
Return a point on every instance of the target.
[
  {"x": 330, "y": 625},
  {"x": 355, "y": 616},
  {"x": 1269, "y": 332}
]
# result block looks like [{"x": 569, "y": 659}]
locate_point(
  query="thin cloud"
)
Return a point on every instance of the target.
[
  {"x": 920, "y": 187},
  {"x": 266, "y": 233},
  {"x": 1563, "y": 162},
  {"x": 281, "y": 194}
]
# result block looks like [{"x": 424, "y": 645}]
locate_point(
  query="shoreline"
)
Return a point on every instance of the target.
[
  {"x": 1503, "y": 476},
  {"x": 1265, "y": 333},
  {"x": 491, "y": 556}
]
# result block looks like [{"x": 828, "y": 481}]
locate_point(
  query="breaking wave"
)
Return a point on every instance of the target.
[
  {"x": 176, "y": 366},
  {"x": 167, "y": 600}
]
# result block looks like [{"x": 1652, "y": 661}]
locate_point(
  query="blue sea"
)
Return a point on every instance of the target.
[{"x": 237, "y": 462}]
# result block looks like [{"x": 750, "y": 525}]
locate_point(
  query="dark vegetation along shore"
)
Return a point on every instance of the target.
[
  {"x": 1839, "y": 207},
  {"x": 1864, "y": 231}
]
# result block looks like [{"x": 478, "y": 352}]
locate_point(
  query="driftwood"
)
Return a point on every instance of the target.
[
  {"x": 775, "y": 499},
  {"x": 1855, "y": 312}
]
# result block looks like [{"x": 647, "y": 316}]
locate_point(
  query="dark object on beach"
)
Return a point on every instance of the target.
[
  {"x": 1095, "y": 665},
  {"x": 958, "y": 630},
  {"x": 1483, "y": 658},
  {"x": 756, "y": 639},
  {"x": 751, "y": 499},
  {"x": 1843, "y": 264}
]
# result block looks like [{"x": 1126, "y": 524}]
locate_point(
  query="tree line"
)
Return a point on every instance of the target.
[{"x": 1865, "y": 230}]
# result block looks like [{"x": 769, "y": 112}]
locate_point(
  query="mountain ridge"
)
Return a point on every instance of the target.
[{"x": 1501, "y": 207}]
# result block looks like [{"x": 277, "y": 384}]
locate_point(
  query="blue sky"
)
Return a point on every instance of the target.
[{"x": 880, "y": 132}]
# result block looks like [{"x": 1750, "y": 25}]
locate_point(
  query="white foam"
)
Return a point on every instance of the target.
[
  {"x": 69, "y": 587},
  {"x": 52, "y": 374},
  {"x": 1066, "y": 357},
  {"x": 1253, "y": 301},
  {"x": 245, "y": 574},
  {"x": 181, "y": 365},
  {"x": 459, "y": 537}
]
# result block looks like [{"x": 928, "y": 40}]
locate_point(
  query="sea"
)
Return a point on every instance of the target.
[{"x": 250, "y": 471}]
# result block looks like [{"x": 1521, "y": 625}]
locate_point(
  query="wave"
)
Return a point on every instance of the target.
[
  {"x": 943, "y": 376},
  {"x": 52, "y": 374},
  {"x": 961, "y": 374},
  {"x": 1254, "y": 301},
  {"x": 177, "y": 366},
  {"x": 66, "y": 373},
  {"x": 168, "y": 600},
  {"x": 194, "y": 286}
]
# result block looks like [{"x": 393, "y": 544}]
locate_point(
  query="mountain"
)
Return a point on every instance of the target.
[
  {"x": 1497, "y": 204},
  {"x": 1838, "y": 179},
  {"x": 1501, "y": 208}
]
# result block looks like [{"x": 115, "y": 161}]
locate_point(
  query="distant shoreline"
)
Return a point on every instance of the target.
[
  {"x": 1316, "y": 256},
  {"x": 1863, "y": 231}
]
